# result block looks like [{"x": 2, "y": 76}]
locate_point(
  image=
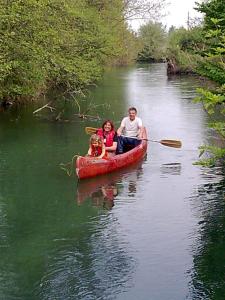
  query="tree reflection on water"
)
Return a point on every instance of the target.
[
  {"x": 208, "y": 274},
  {"x": 102, "y": 190}
]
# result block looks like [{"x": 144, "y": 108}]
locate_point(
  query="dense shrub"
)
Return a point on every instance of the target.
[{"x": 51, "y": 43}]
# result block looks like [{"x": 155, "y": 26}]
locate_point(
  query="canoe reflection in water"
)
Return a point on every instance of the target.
[
  {"x": 102, "y": 190},
  {"x": 104, "y": 196}
]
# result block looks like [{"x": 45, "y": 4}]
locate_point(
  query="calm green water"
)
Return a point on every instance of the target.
[{"x": 154, "y": 231}]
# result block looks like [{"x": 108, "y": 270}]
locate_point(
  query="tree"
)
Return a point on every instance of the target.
[
  {"x": 49, "y": 43},
  {"x": 213, "y": 66},
  {"x": 66, "y": 44},
  {"x": 143, "y": 9},
  {"x": 202, "y": 50},
  {"x": 153, "y": 38}
]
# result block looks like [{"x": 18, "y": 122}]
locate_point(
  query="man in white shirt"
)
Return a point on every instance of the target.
[{"x": 130, "y": 131}]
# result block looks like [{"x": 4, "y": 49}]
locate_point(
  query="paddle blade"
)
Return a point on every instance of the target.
[
  {"x": 171, "y": 143},
  {"x": 90, "y": 130}
]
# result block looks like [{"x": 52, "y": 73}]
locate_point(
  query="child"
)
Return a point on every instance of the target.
[{"x": 97, "y": 147}]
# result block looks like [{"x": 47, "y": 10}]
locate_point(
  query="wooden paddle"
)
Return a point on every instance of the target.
[
  {"x": 168, "y": 143},
  {"x": 90, "y": 130}
]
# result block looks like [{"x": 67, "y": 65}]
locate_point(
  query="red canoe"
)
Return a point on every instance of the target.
[{"x": 90, "y": 167}]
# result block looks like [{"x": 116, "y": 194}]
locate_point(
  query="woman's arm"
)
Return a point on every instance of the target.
[{"x": 112, "y": 148}]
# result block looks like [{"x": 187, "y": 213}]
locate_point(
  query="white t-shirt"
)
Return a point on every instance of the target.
[{"x": 131, "y": 128}]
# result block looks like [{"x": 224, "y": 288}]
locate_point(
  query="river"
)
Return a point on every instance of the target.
[{"x": 152, "y": 231}]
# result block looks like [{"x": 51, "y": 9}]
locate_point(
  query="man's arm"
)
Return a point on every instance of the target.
[
  {"x": 120, "y": 129},
  {"x": 140, "y": 132},
  {"x": 140, "y": 129}
]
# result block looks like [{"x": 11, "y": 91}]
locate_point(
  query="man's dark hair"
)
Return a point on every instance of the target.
[{"x": 132, "y": 108}]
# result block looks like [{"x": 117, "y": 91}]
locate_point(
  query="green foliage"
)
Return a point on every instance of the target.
[
  {"x": 187, "y": 62},
  {"x": 214, "y": 154},
  {"x": 214, "y": 13},
  {"x": 202, "y": 49},
  {"x": 214, "y": 104},
  {"x": 213, "y": 67},
  {"x": 53, "y": 43},
  {"x": 184, "y": 48},
  {"x": 219, "y": 127},
  {"x": 186, "y": 40},
  {"x": 210, "y": 99},
  {"x": 153, "y": 39}
]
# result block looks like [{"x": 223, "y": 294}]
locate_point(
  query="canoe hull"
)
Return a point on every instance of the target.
[{"x": 87, "y": 167}]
